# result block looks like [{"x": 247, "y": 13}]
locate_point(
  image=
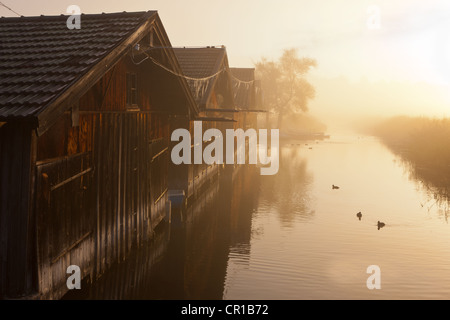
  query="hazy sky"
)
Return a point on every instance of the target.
[{"x": 413, "y": 42}]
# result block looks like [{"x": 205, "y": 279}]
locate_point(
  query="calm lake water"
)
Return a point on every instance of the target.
[{"x": 291, "y": 236}]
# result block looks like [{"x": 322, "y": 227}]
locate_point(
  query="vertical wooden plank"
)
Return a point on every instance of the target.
[
  {"x": 134, "y": 182},
  {"x": 112, "y": 187},
  {"x": 124, "y": 185},
  {"x": 152, "y": 189},
  {"x": 146, "y": 159},
  {"x": 105, "y": 194},
  {"x": 99, "y": 167},
  {"x": 65, "y": 213},
  {"x": 115, "y": 186},
  {"x": 14, "y": 208},
  {"x": 127, "y": 177},
  {"x": 138, "y": 155},
  {"x": 4, "y": 150},
  {"x": 119, "y": 188},
  {"x": 42, "y": 231},
  {"x": 141, "y": 180},
  {"x": 93, "y": 190},
  {"x": 18, "y": 162},
  {"x": 32, "y": 265},
  {"x": 150, "y": 178},
  {"x": 107, "y": 189},
  {"x": 130, "y": 188},
  {"x": 108, "y": 194}
]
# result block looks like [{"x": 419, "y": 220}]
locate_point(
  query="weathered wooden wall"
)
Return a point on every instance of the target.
[
  {"x": 65, "y": 210},
  {"x": 17, "y": 154},
  {"x": 201, "y": 175},
  {"x": 103, "y": 197},
  {"x": 101, "y": 185},
  {"x": 206, "y": 249},
  {"x": 131, "y": 184},
  {"x": 131, "y": 279},
  {"x": 86, "y": 192}
]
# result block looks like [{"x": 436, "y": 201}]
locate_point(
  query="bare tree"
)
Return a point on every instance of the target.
[{"x": 284, "y": 85}]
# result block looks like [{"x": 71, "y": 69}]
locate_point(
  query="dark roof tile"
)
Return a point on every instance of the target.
[
  {"x": 200, "y": 63},
  {"x": 40, "y": 57}
]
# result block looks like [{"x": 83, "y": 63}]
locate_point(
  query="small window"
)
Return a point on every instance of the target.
[{"x": 131, "y": 90}]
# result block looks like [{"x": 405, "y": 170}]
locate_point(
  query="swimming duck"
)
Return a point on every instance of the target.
[
  {"x": 359, "y": 215},
  {"x": 380, "y": 225},
  {"x": 335, "y": 187}
]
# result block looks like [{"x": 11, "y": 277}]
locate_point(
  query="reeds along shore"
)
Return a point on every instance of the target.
[{"x": 424, "y": 143}]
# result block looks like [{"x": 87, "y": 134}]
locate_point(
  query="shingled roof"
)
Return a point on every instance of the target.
[
  {"x": 201, "y": 63},
  {"x": 243, "y": 80},
  {"x": 40, "y": 58}
]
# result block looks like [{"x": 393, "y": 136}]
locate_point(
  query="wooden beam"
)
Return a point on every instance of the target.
[
  {"x": 223, "y": 110},
  {"x": 214, "y": 119},
  {"x": 79, "y": 175},
  {"x": 62, "y": 254},
  {"x": 159, "y": 154}
]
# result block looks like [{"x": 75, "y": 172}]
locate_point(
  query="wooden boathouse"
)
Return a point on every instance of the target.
[
  {"x": 86, "y": 117},
  {"x": 85, "y": 122},
  {"x": 210, "y": 82}
]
